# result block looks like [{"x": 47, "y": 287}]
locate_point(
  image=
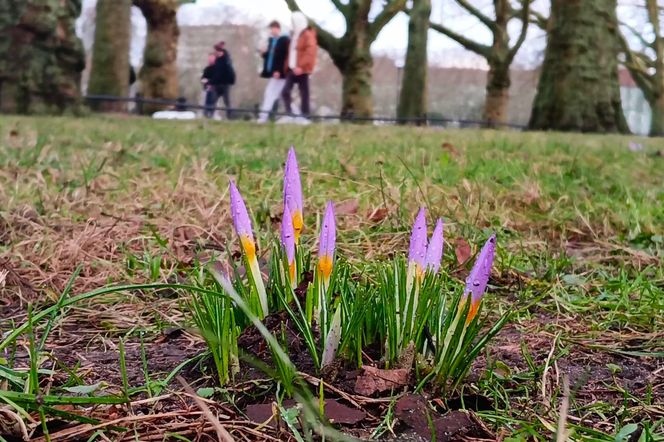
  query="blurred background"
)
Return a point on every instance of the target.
[{"x": 461, "y": 44}]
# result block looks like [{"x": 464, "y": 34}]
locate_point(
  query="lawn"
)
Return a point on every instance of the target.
[{"x": 102, "y": 201}]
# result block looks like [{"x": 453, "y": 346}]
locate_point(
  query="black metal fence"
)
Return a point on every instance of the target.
[{"x": 253, "y": 113}]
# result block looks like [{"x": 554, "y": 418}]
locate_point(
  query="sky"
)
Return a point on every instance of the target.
[{"x": 391, "y": 41}]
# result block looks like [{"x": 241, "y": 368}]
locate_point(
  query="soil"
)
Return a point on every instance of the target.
[{"x": 82, "y": 341}]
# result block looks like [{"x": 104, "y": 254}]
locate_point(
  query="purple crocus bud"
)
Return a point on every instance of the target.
[
  {"x": 435, "y": 248},
  {"x": 418, "y": 241},
  {"x": 293, "y": 193},
  {"x": 328, "y": 236},
  {"x": 479, "y": 277},
  {"x": 242, "y": 222},
  {"x": 288, "y": 241}
]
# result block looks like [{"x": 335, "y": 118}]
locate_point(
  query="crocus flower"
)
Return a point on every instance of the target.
[
  {"x": 293, "y": 193},
  {"x": 435, "y": 249},
  {"x": 418, "y": 241},
  {"x": 479, "y": 277},
  {"x": 326, "y": 244},
  {"x": 288, "y": 241},
  {"x": 242, "y": 224}
]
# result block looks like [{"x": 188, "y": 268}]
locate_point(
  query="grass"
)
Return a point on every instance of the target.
[{"x": 579, "y": 220}]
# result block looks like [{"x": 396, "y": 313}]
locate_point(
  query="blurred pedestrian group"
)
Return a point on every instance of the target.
[{"x": 288, "y": 61}]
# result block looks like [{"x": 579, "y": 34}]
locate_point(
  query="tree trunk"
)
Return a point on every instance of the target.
[
  {"x": 356, "y": 96},
  {"x": 657, "y": 117},
  {"x": 159, "y": 76},
  {"x": 413, "y": 96},
  {"x": 497, "y": 94},
  {"x": 578, "y": 88},
  {"x": 41, "y": 58},
  {"x": 109, "y": 74}
]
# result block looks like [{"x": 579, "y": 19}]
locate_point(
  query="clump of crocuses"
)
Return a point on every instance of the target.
[{"x": 414, "y": 303}]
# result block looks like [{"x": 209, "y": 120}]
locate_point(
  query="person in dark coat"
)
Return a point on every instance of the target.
[
  {"x": 210, "y": 92},
  {"x": 223, "y": 76},
  {"x": 274, "y": 68}
]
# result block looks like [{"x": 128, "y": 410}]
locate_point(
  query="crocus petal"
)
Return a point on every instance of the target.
[
  {"x": 333, "y": 339},
  {"x": 418, "y": 240},
  {"x": 241, "y": 219},
  {"x": 327, "y": 241},
  {"x": 293, "y": 193},
  {"x": 435, "y": 248},
  {"x": 288, "y": 236},
  {"x": 479, "y": 276}
]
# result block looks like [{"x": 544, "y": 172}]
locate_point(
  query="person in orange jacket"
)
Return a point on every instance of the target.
[{"x": 302, "y": 52}]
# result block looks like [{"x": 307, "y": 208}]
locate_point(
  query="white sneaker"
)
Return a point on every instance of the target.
[
  {"x": 302, "y": 120},
  {"x": 286, "y": 119}
]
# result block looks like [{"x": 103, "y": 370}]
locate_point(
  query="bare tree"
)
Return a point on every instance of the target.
[
  {"x": 109, "y": 74},
  {"x": 159, "y": 76},
  {"x": 647, "y": 66},
  {"x": 351, "y": 52},
  {"x": 413, "y": 96},
  {"x": 579, "y": 89},
  {"x": 499, "y": 55}
]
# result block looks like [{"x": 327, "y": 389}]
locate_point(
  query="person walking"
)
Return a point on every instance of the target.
[
  {"x": 302, "y": 52},
  {"x": 210, "y": 91},
  {"x": 274, "y": 68},
  {"x": 223, "y": 76}
]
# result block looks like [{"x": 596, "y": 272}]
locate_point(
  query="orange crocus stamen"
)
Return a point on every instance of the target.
[
  {"x": 474, "y": 307},
  {"x": 249, "y": 247},
  {"x": 298, "y": 224},
  {"x": 291, "y": 271},
  {"x": 325, "y": 266},
  {"x": 419, "y": 273}
]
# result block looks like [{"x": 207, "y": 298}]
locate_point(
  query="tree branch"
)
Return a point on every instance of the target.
[
  {"x": 658, "y": 42},
  {"x": 477, "y": 13},
  {"x": 483, "y": 50},
  {"x": 525, "y": 13},
  {"x": 539, "y": 20},
  {"x": 326, "y": 40},
  {"x": 392, "y": 8},
  {"x": 637, "y": 69},
  {"x": 638, "y": 35},
  {"x": 343, "y": 8}
]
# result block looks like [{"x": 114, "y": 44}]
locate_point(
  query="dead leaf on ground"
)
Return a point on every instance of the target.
[
  {"x": 449, "y": 147},
  {"x": 531, "y": 192},
  {"x": 261, "y": 413},
  {"x": 341, "y": 414},
  {"x": 350, "y": 169},
  {"x": 414, "y": 411},
  {"x": 377, "y": 215},
  {"x": 335, "y": 412},
  {"x": 462, "y": 250},
  {"x": 348, "y": 207},
  {"x": 376, "y": 380}
]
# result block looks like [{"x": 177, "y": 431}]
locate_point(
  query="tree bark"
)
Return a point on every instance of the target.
[
  {"x": 159, "y": 76},
  {"x": 657, "y": 117},
  {"x": 109, "y": 74},
  {"x": 351, "y": 52},
  {"x": 497, "y": 94},
  {"x": 578, "y": 88},
  {"x": 41, "y": 58},
  {"x": 413, "y": 96},
  {"x": 356, "y": 96},
  {"x": 499, "y": 55}
]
